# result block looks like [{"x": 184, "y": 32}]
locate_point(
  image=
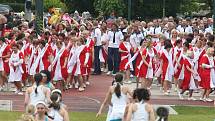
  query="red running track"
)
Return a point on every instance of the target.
[{"x": 91, "y": 99}]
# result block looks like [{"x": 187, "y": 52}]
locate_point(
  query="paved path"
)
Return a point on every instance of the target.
[{"x": 91, "y": 99}]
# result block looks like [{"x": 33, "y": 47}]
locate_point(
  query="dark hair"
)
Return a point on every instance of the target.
[
  {"x": 55, "y": 101},
  {"x": 186, "y": 44},
  {"x": 211, "y": 38},
  {"x": 167, "y": 44},
  {"x": 210, "y": 44},
  {"x": 47, "y": 33},
  {"x": 189, "y": 39},
  {"x": 141, "y": 41},
  {"x": 163, "y": 113},
  {"x": 141, "y": 94},
  {"x": 37, "y": 78},
  {"x": 62, "y": 35},
  {"x": 48, "y": 74},
  {"x": 43, "y": 42},
  {"x": 118, "y": 79},
  {"x": 178, "y": 41}
]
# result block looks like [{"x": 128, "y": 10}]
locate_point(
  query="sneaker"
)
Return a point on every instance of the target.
[
  {"x": 202, "y": 99},
  {"x": 166, "y": 93},
  {"x": 105, "y": 70},
  {"x": 180, "y": 96},
  {"x": 76, "y": 85},
  {"x": 186, "y": 92},
  {"x": 84, "y": 85},
  {"x": 1, "y": 89},
  {"x": 20, "y": 93},
  {"x": 192, "y": 98},
  {"x": 70, "y": 86},
  {"x": 113, "y": 74},
  {"x": 108, "y": 73},
  {"x": 131, "y": 76},
  {"x": 17, "y": 91},
  {"x": 176, "y": 89},
  {"x": 102, "y": 69},
  {"x": 208, "y": 100},
  {"x": 87, "y": 83},
  {"x": 80, "y": 89}
]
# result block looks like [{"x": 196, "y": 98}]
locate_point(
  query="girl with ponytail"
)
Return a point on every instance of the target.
[
  {"x": 141, "y": 110},
  {"x": 117, "y": 98},
  {"x": 57, "y": 112},
  {"x": 37, "y": 92}
]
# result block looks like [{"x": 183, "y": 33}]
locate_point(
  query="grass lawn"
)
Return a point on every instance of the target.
[{"x": 186, "y": 113}]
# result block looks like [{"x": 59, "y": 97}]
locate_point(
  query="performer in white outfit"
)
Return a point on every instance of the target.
[
  {"x": 167, "y": 66},
  {"x": 117, "y": 97},
  {"x": 59, "y": 64},
  {"x": 15, "y": 63},
  {"x": 38, "y": 92},
  {"x": 141, "y": 110},
  {"x": 57, "y": 112}
]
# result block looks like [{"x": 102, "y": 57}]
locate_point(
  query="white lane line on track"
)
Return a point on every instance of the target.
[{"x": 93, "y": 99}]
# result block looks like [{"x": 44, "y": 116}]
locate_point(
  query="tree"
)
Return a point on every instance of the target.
[
  {"x": 80, "y": 5},
  {"x": 109, "y": 6},
  {"x": 54, "y": 3}
]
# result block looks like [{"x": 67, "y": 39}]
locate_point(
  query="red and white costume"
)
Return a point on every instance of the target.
[
  {"x": 77, "y": 61},
  {"x": 90, "y": 45},
  {"x": 145, "y": 71},
  {"x": 103, "y": 54},
  {"x": 137, "y": 57},
  {"x": 15, "y": 64},
  {"x": 59, "y": 71},
  {"x": 4, "y": 62},
  {"x": 198, "y": 54},
  {"x": 167, "y": 65},
  {"x": 34, "y": 51},
  {"x": 42, "y": 60},
  {"x": 125, "y": 56},
  {"x": 188, "y": 81},
  {"x": 179, "y": 65},
  {"x": 207, "y": 72},
  {"x": 159, "y": 49},
  {"x": 71, "y": 66}
]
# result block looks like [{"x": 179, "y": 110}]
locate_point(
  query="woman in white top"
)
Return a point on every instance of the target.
[
  {"x": 57, "y": 112},
  {"x": 141, "y": 110},
  {"x": 117, "y": 98},
  {"x": 38, "y": 92}
]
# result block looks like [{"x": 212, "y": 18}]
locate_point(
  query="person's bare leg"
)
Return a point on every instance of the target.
[
  {"x": 143, "y": 83},
  {"x": 18, "y": 85},
  {"x": 149, "y": 83}
]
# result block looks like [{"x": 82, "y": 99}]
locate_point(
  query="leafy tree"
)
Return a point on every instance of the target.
[
  {"x": 80, "y": 5},
  {"x": 54, "y": 3},
  {"x": 109, "y": 6}
]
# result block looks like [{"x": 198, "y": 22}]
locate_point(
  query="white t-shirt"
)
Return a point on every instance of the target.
[
  {"x": 135, "y": 39},
  {"x": 97, "y": 35},
  {"x": 118, "y": 37}
]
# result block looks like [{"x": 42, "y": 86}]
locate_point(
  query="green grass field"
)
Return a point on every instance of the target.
[{"x": 186, "y": 113}]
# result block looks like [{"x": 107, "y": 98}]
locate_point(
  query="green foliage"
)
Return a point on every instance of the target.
[
  {"x": 17, "y": 7},
  {"x": 54, "y": 3},
  {"x": 185, "y": 113},
  {"x": 189, "y": 6},
  {"x": 39, "y": 25},
  {"x": 109, "y": 6},
  {"x": 80, "y": 5}
]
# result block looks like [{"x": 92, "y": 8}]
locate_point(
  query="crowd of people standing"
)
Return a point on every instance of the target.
[{"x": 66, "y": 53}]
